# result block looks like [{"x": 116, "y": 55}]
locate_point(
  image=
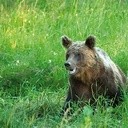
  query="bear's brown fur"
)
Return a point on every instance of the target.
[{"x": 91, "y": 73}]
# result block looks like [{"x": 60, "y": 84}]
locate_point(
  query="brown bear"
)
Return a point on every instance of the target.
[{"x": 91, "y": 73}]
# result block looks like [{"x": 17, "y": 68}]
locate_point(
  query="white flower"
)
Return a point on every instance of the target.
[
  {"x": 49, "y": 61},
  {"x": 17, "y": 62},
  {"x": 54, "y": 53}
]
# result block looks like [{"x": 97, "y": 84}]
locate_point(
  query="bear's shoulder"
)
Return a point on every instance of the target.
[{"x": 104, "y": 57}]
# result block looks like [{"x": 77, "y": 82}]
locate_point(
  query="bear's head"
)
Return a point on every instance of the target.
[{"x": 81, "y": 59}]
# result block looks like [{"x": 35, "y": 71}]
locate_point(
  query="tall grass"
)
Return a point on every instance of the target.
[{"x": 33, "y": 81}]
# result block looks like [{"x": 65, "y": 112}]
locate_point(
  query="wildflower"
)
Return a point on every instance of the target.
[
  {"x": 54, "y": 53},
  {"x": 17, "y": 62},
  {"x": 49, "y": 61}
]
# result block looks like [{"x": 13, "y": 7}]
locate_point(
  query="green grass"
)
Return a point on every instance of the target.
[{"x": 33, "y": 81}]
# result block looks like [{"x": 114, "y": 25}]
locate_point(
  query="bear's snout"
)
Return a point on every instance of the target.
[
  {"x": 71, "y": 68},
  {"x": 67, "y": 64}
]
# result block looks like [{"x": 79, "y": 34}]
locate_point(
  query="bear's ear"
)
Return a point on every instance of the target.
[
  {"x": 90, "y": 42},
  {"x": 66, "y": 42}
]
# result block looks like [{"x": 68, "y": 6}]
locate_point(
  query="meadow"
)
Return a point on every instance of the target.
[{"x": 33, "y": 80}]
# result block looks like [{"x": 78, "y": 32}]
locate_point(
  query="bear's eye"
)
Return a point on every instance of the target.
[{"x": 78, "y": 56}]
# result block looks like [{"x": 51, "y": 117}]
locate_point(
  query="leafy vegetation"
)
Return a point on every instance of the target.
[{"x": 33, "y": 81}]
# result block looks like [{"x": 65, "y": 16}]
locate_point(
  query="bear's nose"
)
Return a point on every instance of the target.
[{"x": 67, "y": 64}]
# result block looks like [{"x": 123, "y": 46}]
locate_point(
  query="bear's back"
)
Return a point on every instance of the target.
[{"x": 110, "y": 66}]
